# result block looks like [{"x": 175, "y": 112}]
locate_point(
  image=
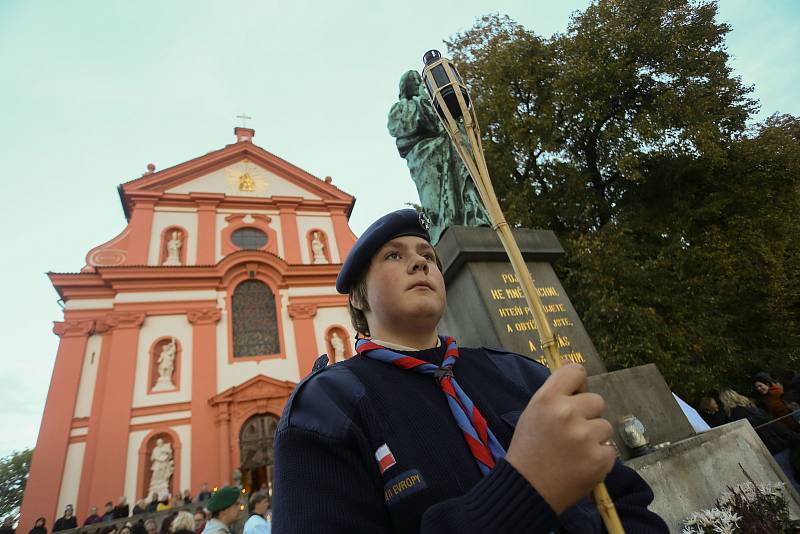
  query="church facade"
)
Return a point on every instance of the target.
[{"x": 184, "y": 335}]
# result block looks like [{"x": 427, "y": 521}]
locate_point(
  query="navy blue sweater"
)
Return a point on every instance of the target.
[{"x": 327, "y": 477}]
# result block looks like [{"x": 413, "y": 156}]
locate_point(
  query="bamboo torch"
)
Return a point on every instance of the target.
[{"x": 452, "y": 103}]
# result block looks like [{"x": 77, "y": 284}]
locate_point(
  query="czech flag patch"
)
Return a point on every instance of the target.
[{"x": 385, "y": 458}]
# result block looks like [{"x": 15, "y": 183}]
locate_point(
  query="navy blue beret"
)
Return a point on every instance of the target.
[{"x": 396, "y": 224}]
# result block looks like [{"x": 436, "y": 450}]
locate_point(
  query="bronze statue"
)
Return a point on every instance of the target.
[{"x": 446, "y": 191}]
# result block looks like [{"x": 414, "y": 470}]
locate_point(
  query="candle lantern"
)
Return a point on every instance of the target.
[{"x": 634, "y": 435}]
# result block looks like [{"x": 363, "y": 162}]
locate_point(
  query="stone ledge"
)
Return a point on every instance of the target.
[{"x": 690, "y": 475}]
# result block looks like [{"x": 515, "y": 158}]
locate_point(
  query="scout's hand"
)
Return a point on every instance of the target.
[{"x": 558, "y": 445}]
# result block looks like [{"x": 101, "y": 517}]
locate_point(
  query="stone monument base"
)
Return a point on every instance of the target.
[{"x": 690, "y": 475}]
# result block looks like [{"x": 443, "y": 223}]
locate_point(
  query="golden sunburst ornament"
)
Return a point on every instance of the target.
[{"x": 244, "y": 177}]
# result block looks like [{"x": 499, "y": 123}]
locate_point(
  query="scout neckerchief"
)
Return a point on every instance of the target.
[{"x": 480, "y": 439}]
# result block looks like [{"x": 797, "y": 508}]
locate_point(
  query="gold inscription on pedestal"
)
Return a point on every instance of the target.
[{"x": 520, "y": 320}]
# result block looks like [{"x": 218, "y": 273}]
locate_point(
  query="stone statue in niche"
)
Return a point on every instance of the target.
[
  {"x": 318, "y": 248},
  {"x": 166, "y": 366},
  {"x": 174, "y": 249},
  {"x": 162, "y": 466},
  {"x": 338, "y": 347}
]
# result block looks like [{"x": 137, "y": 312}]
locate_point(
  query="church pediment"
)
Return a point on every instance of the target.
[
  {"x": 241, "y": 169},
  {"x": 259, "y": 387},
  {"x": 247, "y": 179}
]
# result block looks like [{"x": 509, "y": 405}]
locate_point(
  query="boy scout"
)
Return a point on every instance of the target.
[{"x": 416, "y": 434}]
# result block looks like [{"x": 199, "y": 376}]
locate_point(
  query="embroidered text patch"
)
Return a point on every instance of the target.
[{"x": 403, "y": 485}]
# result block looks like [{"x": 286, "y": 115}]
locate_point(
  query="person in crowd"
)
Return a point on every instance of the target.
[
  {"x": 710, "y": 412},
  {"x": 152, "y": 503},
  {"x": 204, "y": 494},
  {"x": 122, "y": 509},
  {"x": 199, "y": 520},
  {"x": 125, "y": 529},
  {"x": 770, "y": 394},
  {"x": 39, "y": 527},
  {"x": 164, "y": 502},
  {"x": 224, "y": 508},
  {"x": 139, "y": 508},
  {"x": 776, "y": 437},
  {"x": 7, "y": 526},
  {"x": 790, "y": 380},
  {"x": 108, "y": 515},
  {"x": 187, "y": 497},
  {"x": 109, "y": 529},
  {"x": 93, "y": 517},
  {"x": 150, "y": 526},
  {"x": 491, "y": 442},
  {"x": 177, "y": 500},
  {"x": 67, "y": 521},
  {"x": 138, "y": 527},
  {"x": 183, "y": 523},
  {"x": 257, "y": 522},
  {"x": 166, "y": 523}
]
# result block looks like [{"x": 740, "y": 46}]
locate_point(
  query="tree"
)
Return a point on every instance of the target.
[
  {"x": 627, "y": 135},
  {"x": 13, "y": 475}
]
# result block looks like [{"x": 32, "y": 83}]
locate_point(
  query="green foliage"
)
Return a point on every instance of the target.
[
  {"x": 627, "y": 135},
  {"x": 13, "y": 475}
]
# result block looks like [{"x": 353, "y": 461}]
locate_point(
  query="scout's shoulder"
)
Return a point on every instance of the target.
[
  {"x": 526, "y": 372},
  {"x": 324, "y": 402}
]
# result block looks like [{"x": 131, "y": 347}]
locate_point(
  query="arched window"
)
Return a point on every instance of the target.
[{"x": 255, "y": 325}]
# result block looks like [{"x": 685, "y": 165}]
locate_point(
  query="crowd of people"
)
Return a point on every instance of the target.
[
  {"x": 773, "y": 411},
  {"x": 215, "y": 513}
]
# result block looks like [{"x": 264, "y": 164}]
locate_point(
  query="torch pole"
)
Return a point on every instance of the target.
[{"x": 468, "y": 144}]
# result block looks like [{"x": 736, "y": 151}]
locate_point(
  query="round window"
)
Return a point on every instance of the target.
[{"x": 249, "y": 238}]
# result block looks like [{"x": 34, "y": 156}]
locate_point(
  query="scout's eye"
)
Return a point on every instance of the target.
[
  {"x": 392, "y": 256},
  {"x": 428, "y": 256}
]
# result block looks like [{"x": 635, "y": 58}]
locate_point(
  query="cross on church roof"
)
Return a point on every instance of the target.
[{"x": 244, "y": 118}]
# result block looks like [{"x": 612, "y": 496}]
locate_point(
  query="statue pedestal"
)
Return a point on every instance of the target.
[
  {"x": 163, "y": 385},
  {"x": 486, "y": 306}
]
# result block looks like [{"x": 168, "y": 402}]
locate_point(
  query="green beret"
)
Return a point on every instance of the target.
[{"x": 223, "y": 498}]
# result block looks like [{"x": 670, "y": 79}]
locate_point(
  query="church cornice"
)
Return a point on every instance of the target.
[{"x": 106, "y": 282}]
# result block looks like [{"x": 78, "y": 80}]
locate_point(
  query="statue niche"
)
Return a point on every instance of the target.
[
  {"x": 173, "y": 246},
  {"x": 163, "y": 365},
  {"x": 336, "y": 340},
  {"x": 318, "y": 247},
  {"x": 160, "y": 465}
]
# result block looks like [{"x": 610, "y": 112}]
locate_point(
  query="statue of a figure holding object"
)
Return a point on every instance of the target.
[{"x": 445, "y": 188}]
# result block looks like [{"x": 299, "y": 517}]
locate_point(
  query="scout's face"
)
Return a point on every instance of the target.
[
  {"x": 404, "y": 287},
  {"x": 761, "y": 387}
]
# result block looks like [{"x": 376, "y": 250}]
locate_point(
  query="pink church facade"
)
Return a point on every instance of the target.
[{"x": 191, "y": 327}]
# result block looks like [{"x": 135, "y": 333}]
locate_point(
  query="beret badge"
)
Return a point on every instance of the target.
[{"x": 424, "y": 221}]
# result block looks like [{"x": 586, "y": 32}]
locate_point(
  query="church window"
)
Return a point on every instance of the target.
[
  {"x": 255, "y": 325},
  {"x": 249, "y": 238}
]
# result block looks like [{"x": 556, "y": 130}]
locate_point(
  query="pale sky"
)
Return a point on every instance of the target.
[{"x": 93, "y": 91}]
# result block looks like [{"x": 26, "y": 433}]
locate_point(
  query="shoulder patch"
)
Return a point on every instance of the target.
[{"x": 324, "y": 402}]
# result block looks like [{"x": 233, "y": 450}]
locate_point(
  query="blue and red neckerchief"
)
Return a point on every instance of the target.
[{"x": 481, "y": 441}]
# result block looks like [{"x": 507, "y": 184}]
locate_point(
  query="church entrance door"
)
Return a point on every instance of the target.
[{"x": 256, "y": 441}]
